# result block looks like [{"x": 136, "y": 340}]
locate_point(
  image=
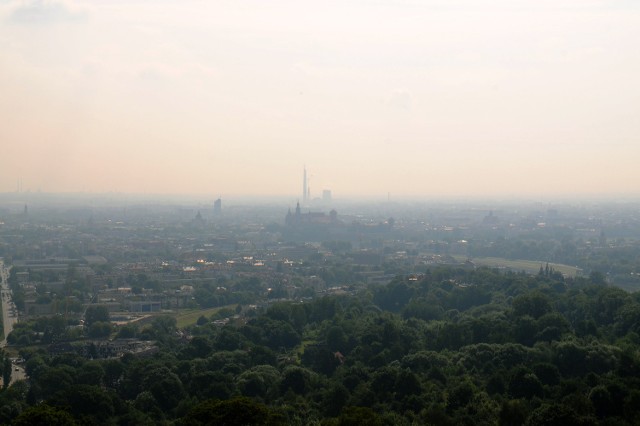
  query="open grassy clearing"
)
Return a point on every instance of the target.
[
  {"x": 190, "y": 317},
  {"x": 530, "y": 266}
]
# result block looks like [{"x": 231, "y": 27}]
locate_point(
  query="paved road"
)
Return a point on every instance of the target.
[
  {"x": 18, "y": 373},
  {"x": 9, "y": 317},
  {"x": 9, "y": 312}
]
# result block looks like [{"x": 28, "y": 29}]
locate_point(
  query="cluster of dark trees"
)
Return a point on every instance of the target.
[
  {"x": 51, "y": 329},
  {"x": 222, "y": 292},
  {"x": 450, "y": 347}
]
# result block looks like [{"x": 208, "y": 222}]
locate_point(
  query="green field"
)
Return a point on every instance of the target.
[
  {"x": 190, "y": 317},
  {"x": 530, "y": 266}
]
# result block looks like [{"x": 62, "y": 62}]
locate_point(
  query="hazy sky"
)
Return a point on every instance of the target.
[{"x": 408, "y": 97}]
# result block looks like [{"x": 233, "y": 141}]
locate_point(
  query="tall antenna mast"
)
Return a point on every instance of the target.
[{"x": 304, "y": 186}]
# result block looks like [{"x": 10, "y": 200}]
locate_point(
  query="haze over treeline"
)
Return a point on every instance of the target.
[
  {"x": 130, "y": 311},
  {"x": 435, "y": 98}
]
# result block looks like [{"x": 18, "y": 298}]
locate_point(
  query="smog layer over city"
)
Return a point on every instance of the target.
[{"x": 380, "y": 212}]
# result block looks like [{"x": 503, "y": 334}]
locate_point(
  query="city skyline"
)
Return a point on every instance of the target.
[{"x": 412, "y": 99}]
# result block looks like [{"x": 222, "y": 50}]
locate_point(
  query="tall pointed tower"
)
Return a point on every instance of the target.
[{"x": 304, "y": 186}]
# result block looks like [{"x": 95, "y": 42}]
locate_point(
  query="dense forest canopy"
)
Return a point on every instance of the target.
[{"x": 450, "y": 346}]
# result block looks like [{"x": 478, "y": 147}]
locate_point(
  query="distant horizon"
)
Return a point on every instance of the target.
[{"x": 318, "y": 201}]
